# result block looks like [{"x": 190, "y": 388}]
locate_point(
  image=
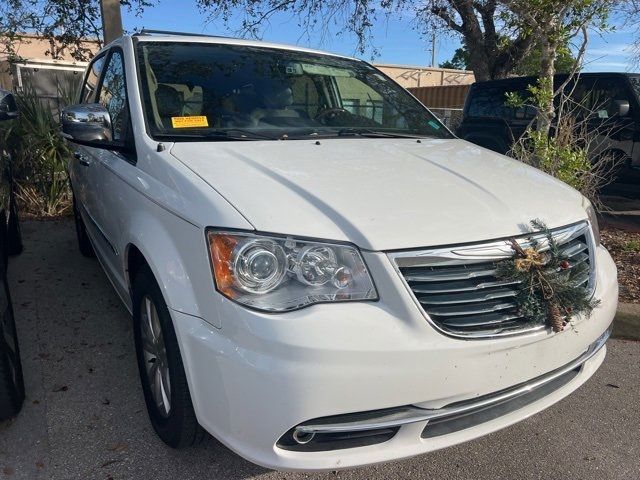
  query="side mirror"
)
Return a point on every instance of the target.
[
  {"x": 87, "y": 124},
  {"x": 622, "y": 108},
  {"x": 8, "y": 107}
]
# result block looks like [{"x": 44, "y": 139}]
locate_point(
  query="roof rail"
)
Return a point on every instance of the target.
[{"x": 146, "y": 31}]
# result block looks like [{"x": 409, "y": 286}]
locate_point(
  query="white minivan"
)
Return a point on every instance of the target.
[{"x": 309, "y": 255}]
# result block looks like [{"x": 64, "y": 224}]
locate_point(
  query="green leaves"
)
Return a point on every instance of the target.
[
  {"x": 39, "y": 155},
  {"x": 549, "y": 289},
  {"x": 568, "y": 162},
  {"x": 67, "y": 24}
]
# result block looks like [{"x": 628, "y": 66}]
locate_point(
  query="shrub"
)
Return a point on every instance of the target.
[
  {"x": 39, "y": 156},
  {"x": 572, "y": 151}
]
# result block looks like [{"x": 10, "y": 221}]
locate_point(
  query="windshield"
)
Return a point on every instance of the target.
[{"x": 198, "y": 90}]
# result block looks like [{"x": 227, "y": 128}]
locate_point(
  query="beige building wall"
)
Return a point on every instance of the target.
[
  {"x": 33, "y": 47},
  {"x": 411, "y": 76},
  {"x": 5, "y": 75},
  {"x": 33, "y": 50}
]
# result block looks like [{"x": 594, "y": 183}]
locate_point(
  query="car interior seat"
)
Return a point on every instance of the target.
[
  {"x": 276, "y": 98},
  {"x": 170, "y": 103}
]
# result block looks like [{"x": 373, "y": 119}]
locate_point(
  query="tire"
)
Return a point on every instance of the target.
[
  {"x": 11, "y": 377},
  {"x": 84, "y": 243},
  {"x": 14, "y": 232},
  {"x": 170, "y": 408}
]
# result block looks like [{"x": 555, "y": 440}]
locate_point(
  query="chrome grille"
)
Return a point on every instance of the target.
[{"x": 460, "y": 294}]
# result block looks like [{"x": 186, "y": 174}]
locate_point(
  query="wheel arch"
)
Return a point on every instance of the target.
[
  {"x": 151, "y": 245},
  {"x": 135, "y": 261}
]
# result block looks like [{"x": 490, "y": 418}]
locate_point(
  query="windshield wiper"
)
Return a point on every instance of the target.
[
  {"x": 218, "y": 135},
  {"x": 370, "y": 133}
]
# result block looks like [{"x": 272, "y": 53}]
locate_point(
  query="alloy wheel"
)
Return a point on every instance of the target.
[{"x": 155, "y": 356}]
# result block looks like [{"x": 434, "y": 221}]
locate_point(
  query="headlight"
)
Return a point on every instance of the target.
[
  {"x": 593, "y": 220},
  {"x": 278, "y": 274}
]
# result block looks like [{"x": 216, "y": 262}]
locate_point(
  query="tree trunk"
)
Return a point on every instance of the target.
[
  {"x": 546, "y": 111},
  {"x": 488, "y": 59},
  {"x": 479, "y": 62},
  {"x": 509, "y": 58},
  {"x": 111, "y": 20}
]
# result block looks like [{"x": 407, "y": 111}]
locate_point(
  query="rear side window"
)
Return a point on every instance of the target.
[
  {"x": 91, "y": 80},
  {"x": 491, "y": 102},
  {"x": 598, "y": 97}
]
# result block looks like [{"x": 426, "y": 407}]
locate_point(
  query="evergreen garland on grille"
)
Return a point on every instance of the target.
[{"x": 548, "y": 291}]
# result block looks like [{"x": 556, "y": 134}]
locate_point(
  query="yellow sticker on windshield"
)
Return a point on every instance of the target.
[{"x": 187, "y": 122}]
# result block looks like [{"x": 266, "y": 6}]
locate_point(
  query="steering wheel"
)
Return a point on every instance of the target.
[{"x": 330, "y": 112}]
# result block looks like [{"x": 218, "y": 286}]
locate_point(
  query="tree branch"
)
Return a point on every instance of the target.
[{"x": 444, "y": 14}]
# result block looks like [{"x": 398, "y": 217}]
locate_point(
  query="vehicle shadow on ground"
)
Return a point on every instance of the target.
[{"x": 84, "y": 416}]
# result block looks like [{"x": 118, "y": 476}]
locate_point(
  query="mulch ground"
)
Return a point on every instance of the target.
[{"x": 624, "y": 247}]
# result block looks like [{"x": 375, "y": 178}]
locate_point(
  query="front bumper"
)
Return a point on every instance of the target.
[{"x": 263, "y": 375}]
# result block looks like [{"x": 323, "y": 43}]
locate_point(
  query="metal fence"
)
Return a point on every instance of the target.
[
  {"x": 445, "y": 96},
  {"x": 445, "y": 101},
  {"x": 51, "y": 81}
]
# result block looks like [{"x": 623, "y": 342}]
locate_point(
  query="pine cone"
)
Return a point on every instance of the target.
[{"x": 555, "y": 318}]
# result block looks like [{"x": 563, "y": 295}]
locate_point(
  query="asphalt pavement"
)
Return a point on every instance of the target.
[{"x": 84, "y": 416}]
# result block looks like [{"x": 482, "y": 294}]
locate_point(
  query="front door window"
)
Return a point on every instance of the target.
[{"x": 113, "y": 94}]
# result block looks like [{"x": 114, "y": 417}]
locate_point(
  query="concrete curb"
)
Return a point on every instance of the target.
[{"x": 627, "y": 321}]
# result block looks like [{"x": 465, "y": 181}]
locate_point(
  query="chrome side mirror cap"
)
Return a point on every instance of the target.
[
  {"x": 87, "y": 124},
  {"x": 623, "y": 107},
  {"x": 8, "y": 106}
]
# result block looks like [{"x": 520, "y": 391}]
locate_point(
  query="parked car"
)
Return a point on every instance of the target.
[
  {"x": 307, "y": 254},
  {"x": 11, "y": 378},
  {"x": 610, "y": 103}
]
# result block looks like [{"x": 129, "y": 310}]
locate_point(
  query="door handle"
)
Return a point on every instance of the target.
[{"x": 82, "y": 159}]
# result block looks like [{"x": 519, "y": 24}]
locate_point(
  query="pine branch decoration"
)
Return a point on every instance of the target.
[{"x": 549, "y": 290}]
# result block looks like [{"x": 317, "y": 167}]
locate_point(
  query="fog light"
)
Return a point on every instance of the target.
[{"x": 302, "y": 437}]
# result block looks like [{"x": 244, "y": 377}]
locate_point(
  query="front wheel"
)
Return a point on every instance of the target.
[{"x": 162, "y": 375}]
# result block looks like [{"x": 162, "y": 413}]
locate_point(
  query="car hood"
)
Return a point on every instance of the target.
[{"x": 381, "y": 194}]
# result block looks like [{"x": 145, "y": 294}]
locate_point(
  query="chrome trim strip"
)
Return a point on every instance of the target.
[
  {"x": 465, "y": 297},
  {"x": 449, "y": 276},
  {"x": 481, "y": 251},
  {"x": 473, "y": 288},
  {"x": 448, "y": 311},
  {"x": 411, "y": 414}
]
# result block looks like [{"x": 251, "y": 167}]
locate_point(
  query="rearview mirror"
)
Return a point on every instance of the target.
[
  {"x": 87, "y": 124},
  {"x": 8, "y": 107},
  {"x": 623, "y": 107}
]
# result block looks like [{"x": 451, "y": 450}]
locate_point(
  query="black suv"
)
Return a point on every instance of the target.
[{"x": 614, "y": 99}]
